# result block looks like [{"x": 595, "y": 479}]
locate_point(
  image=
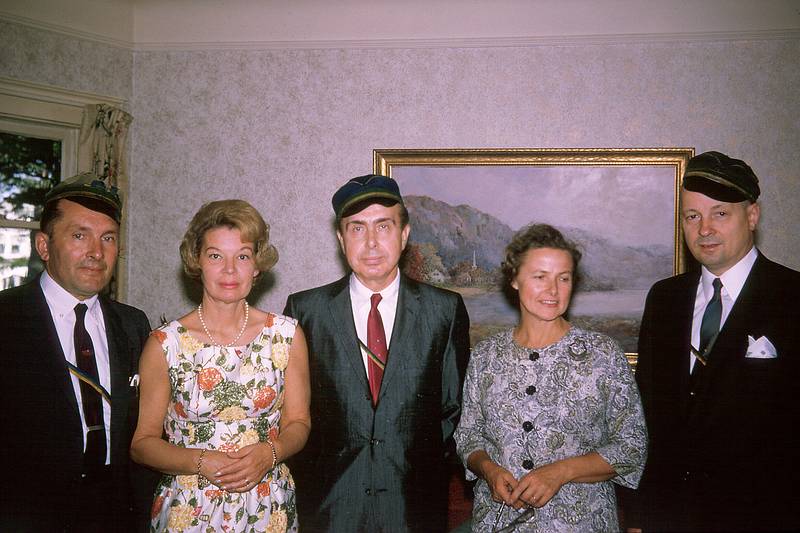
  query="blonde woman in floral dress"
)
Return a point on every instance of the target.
[{"x": 229, "y": 385}]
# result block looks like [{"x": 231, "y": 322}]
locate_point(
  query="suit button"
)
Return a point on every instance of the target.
[
  {"x": 691, "y": 393},
  {"x": 530, "y": 390},
  {"x": 533, "y": 356},
  {"x": 527, "y": 464},
  {"x": 527, "y": 425},
  {"x": 368, "y": 492}
]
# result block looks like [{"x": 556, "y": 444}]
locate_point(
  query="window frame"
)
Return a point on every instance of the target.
[{"x": 49, "y": 112}]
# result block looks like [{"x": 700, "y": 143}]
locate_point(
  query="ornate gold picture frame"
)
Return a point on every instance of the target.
[{"x": 621, "y": 205}]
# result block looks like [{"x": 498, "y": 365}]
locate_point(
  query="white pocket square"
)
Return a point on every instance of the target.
[{"x": 760, "y": 348}]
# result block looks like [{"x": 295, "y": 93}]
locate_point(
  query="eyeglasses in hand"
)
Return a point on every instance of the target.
[{"x": 518, "y": 520}]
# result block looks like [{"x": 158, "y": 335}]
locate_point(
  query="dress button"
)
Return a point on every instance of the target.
[
  {"x": 530, "y": 390},
  {"x": 527, "y": 425},
  {"x": 527, "y": 464},
  {"x": 533, "y": 356}
]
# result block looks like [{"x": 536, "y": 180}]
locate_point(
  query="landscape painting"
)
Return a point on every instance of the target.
[{"x": 622, "y": 216}]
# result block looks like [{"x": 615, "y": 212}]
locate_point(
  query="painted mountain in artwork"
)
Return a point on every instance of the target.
[{"x": 462, "y": 233}]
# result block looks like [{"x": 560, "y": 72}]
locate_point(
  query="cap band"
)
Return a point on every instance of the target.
[{"x": 721, "y": 181}]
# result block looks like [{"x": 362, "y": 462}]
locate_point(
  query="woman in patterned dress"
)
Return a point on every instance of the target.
[
  {"x": 228, "y": 383},
  {"x": 551, "y": 416}
]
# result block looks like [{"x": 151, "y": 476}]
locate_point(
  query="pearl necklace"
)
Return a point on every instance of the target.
[{"x": 208, "y": 333}]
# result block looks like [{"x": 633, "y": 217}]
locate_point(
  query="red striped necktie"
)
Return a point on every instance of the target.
[{"x": 378, "y": 351}]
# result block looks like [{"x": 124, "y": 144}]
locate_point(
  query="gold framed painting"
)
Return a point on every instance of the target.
[{"x": 619, "y": 204}]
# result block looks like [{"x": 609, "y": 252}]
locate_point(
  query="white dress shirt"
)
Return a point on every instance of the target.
[
  {"x": 360, "y": 296},
  {"x": 62, "y": 309},
  {"x": 732, "y": 282}
]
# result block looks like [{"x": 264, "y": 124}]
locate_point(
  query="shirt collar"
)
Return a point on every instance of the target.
[
  {"x": 60, "y": 300},
  {"x": 732, "y": 279},
  {"x": 361, "y": 293}
]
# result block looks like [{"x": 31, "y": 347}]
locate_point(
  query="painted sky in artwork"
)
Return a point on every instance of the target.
[{"x": 631, "y": 205}]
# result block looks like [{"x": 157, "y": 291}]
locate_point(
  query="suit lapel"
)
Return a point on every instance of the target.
[
  {"x": 683, "y": 315},
  {"x": 42, "y": 327},
  {"x": 119, "y": 365},
  {"x": 402, "y": 332},
  {"x": 346, "y": 339}
]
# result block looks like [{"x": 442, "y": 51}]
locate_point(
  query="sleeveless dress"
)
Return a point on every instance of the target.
[{"x": 224, "y": 399}]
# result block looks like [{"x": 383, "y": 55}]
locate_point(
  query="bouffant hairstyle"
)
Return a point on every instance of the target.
[
  {"x": 233, "y": 214},
  {"x": 537, "y": 236}
]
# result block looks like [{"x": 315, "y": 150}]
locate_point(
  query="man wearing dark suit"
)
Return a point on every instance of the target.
[
  {"x": 381, "y": 423},
  {"x": 719, "y": 351},
  {"x": 68, "y": 380}
]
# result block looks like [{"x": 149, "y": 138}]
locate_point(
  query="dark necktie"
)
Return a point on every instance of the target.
[
  {"x": 709, "y": 327},
  {"x": 376, "y": 342},
  {"x": 95, "y": 454}
]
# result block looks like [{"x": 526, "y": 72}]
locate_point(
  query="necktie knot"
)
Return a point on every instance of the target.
[
  {"x": 717, "y": 284},
  {"x": 375, "y": 299},
  {"x": 80, "y": 311}
]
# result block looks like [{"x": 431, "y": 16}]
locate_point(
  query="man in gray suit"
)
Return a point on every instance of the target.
[{"x": 387, "y": 357}]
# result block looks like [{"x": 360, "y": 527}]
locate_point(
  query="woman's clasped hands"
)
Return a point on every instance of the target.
[
  {"x": 534, "y": 489},
  {"x": 237, "y": 471}
]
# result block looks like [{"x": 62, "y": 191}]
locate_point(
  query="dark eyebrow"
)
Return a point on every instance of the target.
[
  {"x": 87, "y": 229},
  {"x": 376, "y": 221}
]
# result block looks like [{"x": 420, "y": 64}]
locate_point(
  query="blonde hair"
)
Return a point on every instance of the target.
[{"x": 233, "y": 214}]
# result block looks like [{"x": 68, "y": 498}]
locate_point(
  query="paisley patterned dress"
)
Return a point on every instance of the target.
[
  {"x": 224, "y": 399},
  {"x": 527, "y": 408}
]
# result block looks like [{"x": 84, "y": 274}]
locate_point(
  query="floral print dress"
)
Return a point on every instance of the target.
[
  {"x": 527, "y": 408},
  {"x": 224, "y": 399}
]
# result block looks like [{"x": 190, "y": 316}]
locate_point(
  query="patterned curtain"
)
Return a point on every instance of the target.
[
  {"x": 102, "y": 142},
  {"x": 101, "y": 150}
]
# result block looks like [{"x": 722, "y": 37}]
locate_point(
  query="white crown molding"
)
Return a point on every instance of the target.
[
  {"x": 65, "y": 30},
  {"x": 492, "y": 42},
  {"x": 469, "y": 42},
  {"x": 54, "y": 95}
]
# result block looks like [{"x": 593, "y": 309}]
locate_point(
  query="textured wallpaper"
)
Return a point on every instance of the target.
[
  {"x": 283, "y": 129},
  {"x": 79, "y": 65}
]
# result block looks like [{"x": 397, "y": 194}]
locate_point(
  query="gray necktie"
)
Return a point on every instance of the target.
[{"x": 709, "y": 327}]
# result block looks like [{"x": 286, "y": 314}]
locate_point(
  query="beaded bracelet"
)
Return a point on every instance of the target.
[
  {"x": 274, "y": 454},
  {"x": 200, "y": 462}
]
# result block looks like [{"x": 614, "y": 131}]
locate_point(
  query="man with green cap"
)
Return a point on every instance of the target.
[
  {"x": 718, "y": 371},
  {"x": 68, "y": 380}
]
